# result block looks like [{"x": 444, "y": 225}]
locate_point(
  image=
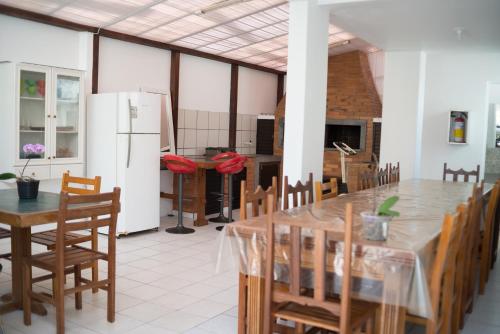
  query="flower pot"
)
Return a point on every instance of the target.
[
  {"x": 28, "y": 189},
  {"x": 375, "y": 227}
]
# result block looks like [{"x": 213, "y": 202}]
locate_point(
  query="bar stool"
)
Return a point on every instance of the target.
[
  {"x": 229, "y": 168},
  {"x": 180, "y": 166},
  {"x": 221, "y": 218}
]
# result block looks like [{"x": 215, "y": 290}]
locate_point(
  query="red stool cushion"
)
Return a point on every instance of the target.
[
  {"x": 232, "y": 166},
  {"x": 178, "y": 164}
]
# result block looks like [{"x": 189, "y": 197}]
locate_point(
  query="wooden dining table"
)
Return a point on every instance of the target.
[
  {"x": 393, "y": 273},
  {"x": 21, "y": 215}
]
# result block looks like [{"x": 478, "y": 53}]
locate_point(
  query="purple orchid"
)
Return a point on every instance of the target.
[{"x": 31, "y": 151}]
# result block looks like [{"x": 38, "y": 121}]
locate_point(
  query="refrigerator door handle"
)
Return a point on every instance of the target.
[{"x": 132, "y": 114}]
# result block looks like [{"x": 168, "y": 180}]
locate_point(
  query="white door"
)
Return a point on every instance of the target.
[
  {"x": 138, "y": 175},
  {"x": 139, "y": 113}
]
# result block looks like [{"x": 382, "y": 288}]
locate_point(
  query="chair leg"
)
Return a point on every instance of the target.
[
  {"x": 78, "y": 282},
  {"x": 242, "y": 304},
  {"x": 111, "y": 293},
  {"x": 59, "y": 301},
  {"x": 95, "y": 264},
  {"x": 27, "y": 293}
]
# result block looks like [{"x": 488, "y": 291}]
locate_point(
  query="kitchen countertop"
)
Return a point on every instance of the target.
[{"x": 206, "y": 162}]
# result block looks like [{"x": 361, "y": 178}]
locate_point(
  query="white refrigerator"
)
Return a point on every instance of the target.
[{"x": 123, "y": 147}]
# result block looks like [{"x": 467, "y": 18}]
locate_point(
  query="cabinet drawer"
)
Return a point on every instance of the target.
[
  {"x": 57, "y": 171},
  {"x": 36, "y": 172}
]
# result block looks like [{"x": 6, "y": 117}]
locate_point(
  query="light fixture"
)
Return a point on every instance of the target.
[
  {"x": 337, "y": 44},
  {"x": 219, "y": 5}
]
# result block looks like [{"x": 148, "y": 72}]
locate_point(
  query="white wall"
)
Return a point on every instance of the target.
[
  {"x": 376, "y": 61},
  {"x": 127, "y": 66},
  {"x": 417, "y": 98},
  {"x": 256, "y": 92},
  {"x": 204, "y": 84},
  {"x": 400, "y": 110}
]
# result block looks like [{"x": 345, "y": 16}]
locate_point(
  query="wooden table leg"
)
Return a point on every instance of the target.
[
  {"x": 255, "y": 305},
  {"x": 393, "y": 315},
  {"x": 20, "y": 247},
  {"x": 200, "y": 201}
]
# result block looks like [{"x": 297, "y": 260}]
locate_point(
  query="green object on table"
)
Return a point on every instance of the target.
[
  {"x": 385, "y": 208},
  {"x": 10, "y": 202}
]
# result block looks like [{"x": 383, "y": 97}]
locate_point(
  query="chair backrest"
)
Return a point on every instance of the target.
[
  {"x": 487, "y": 243},
  {"x": 304, "y": 190},
  {"x": 367, "y": 179},
  {"x": 394, "y": 173},
  {"x": 257, "y": 198},
  {"x": 340, "y": 309},
  {"x": 330, "y": 187},
  {"x": 84, "y": 212},
  {"x": 383, "y": 175},
  {"x": 461, "y": 171},
  {"x": 86, "y": 186},
  {"x": 443, "y": 272}
]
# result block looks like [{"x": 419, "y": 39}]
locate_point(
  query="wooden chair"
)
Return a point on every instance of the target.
[
  {"x": 487, "y": 238},
  {"x": 471, "y": 249},
  {"x": 305, "y": 191},
  {"x": 367, "y": 180},
  {"x": 4, "y": 234},
  {"x": 342, "y": 314},
  {"x": 330, "y": 187},
  {"x": 76, "y": 213},
  {"x": 75, "y": 186},
  {"x": 394, "y": 173},
  {"x": 257, "y": 199},
  {"x": 461, "y": 171},
  {"x": 383, "y": 175},
  {"x": 443, "y": 275}
]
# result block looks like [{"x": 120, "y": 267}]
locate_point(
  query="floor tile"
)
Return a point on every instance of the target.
[{"x": 179, "y": 321}]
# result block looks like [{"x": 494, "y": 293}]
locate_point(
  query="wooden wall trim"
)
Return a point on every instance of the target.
[
  {"x": 32, "y": 16},
  {"x": 95, "y": 64},
  {"x": 280, "y": 88},
  {"x": 233, "y": 106},
  {"x": 174, "y": 88}
]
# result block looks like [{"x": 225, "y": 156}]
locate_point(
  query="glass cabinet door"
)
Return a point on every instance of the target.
[
  {"x": 67, "y": 117},
  {"x": 32, "y": 113}
]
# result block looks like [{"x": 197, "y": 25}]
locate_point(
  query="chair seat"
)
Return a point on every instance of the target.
[
  {"x": 72, "y": 256},
  {"x": 318, "y": 317},
  {"x": 4, "y": 233},
  {"x": 48, "y": 238}
]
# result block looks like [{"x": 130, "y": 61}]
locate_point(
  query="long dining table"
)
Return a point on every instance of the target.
[
  {"x": 21, "y": 215},
  {"x": 393, "y": 273}
]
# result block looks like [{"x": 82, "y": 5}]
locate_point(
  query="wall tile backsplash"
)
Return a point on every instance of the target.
[{"x": 200, "y": 129}]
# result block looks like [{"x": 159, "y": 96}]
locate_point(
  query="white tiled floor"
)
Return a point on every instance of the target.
[{"x": 167, "y": 284}]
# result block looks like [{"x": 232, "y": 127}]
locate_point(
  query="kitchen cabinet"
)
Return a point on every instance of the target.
[{"x": 42, "y": 105}]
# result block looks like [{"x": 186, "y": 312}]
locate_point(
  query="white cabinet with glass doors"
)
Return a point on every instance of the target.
[{"x": 47, "y": 109}]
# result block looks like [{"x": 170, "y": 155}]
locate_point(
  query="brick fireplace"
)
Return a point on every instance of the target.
[{"x": 352, "y": 100}]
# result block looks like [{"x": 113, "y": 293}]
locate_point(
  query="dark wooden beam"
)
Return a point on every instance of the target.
[
  {"x": 42, "y": 18},
  {"x": 174, "y": 88},
  {"x": 233, "y": 106},
  {"x": 95, "y": 64},
  {"x": 280, "y": 88}
]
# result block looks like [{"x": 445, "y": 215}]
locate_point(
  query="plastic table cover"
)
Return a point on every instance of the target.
[{"x": 395, "y": 271}]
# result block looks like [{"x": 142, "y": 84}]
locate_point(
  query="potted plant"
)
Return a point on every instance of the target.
[
  {"x": 376, "y": 224},
  {"x": 27, "y": 187}
]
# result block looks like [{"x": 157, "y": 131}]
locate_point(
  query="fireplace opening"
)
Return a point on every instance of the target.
[{"x": 352, "y": 133}]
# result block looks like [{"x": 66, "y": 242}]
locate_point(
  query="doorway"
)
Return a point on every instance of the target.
[{"x": 492, "y": 164}]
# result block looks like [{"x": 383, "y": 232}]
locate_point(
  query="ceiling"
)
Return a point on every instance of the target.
[
  {"x": 253, "y": 31},
  {"x": 421, "y": 24}
]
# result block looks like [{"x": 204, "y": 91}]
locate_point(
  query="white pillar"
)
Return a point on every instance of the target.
[{"x": 307, "y": 72}]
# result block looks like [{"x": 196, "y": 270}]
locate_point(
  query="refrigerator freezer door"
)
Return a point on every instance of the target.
[
  {"x": 140, "y": 183},
  {"x": 139, "y": 113}
]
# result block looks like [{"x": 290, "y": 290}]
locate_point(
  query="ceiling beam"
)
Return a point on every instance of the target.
[
  {"x": 230, "y": 21},
  {"x": 46, "y": 19}
]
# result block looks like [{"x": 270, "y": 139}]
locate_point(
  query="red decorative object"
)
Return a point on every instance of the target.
[
  {"x": 41, "y": 87},
  {"x": 232, "y": 166},
  {"x": 178, "y": 164},
  {"x": 225, "y": 155}
]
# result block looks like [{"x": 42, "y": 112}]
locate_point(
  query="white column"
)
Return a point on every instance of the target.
[{"x": 306, "y": 90}]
